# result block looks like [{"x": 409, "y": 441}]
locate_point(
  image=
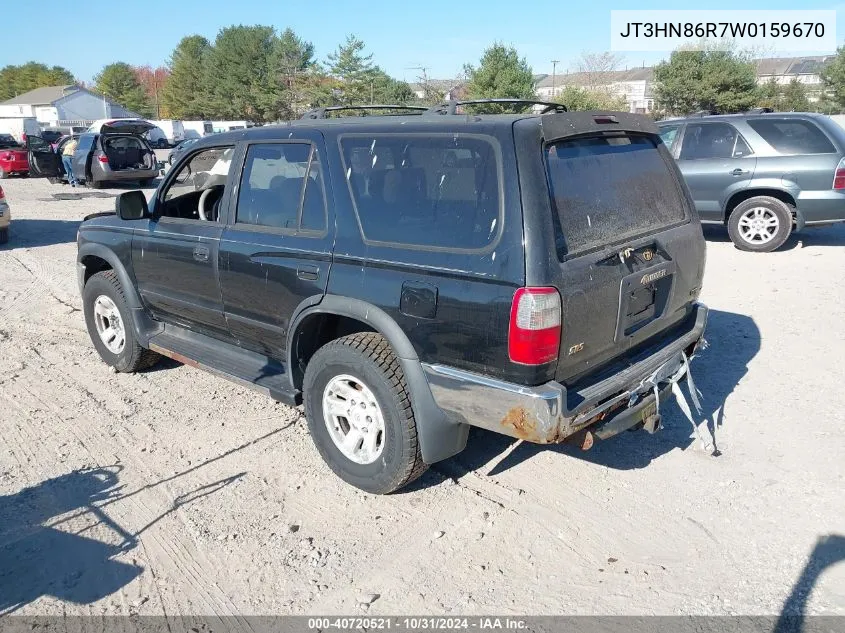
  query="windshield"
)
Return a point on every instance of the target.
[{"x": 608, "y": 189}]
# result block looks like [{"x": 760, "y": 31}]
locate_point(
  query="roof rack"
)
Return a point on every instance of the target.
[
  {"x": 451, "y": 107},
  {"x": 760, "y": 111},
  {"x": 704, "y": 113},
  {"x": 322, "y": 113}
]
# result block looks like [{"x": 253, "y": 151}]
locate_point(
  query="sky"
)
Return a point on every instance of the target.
[{"x": 440, "y": 35}]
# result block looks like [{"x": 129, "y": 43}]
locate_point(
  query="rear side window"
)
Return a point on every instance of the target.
[
  {"x": 792, "y": 136},
  {"x": 432, "y": 191},
  {"x": 608, "y": 189},
  {"x": 668, "y": 134}
]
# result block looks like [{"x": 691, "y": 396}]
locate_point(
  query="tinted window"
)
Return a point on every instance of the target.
[
  {"x": 792, "y": 136},
  {"x": 7, "y": 140},
  {"x": 711, "y": 140},
  {"x": 279, "y": 180},
  {"x": 668, "y": 134},
  {"x": 609, "y": 189},
  {"x": 438, "y": 191},
  {"x": 86, "y": 141}
]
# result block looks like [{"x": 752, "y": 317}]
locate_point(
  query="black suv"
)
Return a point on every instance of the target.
[{"x": 407, "y": 276}]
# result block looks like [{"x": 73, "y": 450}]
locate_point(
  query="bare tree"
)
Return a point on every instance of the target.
[{"x": 593, "y": 68}]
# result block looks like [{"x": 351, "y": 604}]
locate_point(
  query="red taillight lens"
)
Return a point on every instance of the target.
[
  {"x": 103, "y": 158},
  {"x": 534, "y": 333},
  {"x": 839, "y": 175}
]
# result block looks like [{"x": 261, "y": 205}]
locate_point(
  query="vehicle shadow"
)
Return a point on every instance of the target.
[
  {"x": 829, "y": 550},
  {"x": 40, "y": 555},
  {"x": 830, "y": 235},
  {"x": 26, "y": 233},
  {"x": 734, "y": 340}
]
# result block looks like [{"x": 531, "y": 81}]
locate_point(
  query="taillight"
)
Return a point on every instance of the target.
[
  {"x": 839, "y": 175},
  {"x": 103, "y": 158},
  {"x": 534, "y": 333}
]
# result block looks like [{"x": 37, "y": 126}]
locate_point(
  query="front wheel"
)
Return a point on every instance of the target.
[
  {"x": 760, "y": 224},
  {"x": 96, "y": 184},
  {"x": 109, "y": 322},
  {"x": 359, "y": 413}
]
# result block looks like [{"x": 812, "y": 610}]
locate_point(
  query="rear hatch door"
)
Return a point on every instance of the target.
[
  {"x": 125, "y": 126},
  {"x": 628, "y": 244}
]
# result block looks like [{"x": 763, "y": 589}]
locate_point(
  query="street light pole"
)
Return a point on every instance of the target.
[{"x": 555, "y": 62}]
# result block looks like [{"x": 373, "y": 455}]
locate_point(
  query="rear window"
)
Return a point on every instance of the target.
[
  {"x": 432, "y": 191},
  {"x": 792, "y": 136},
  {"x": 608, "y": 189}
]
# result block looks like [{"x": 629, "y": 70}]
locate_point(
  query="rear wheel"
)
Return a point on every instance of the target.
[
  {"x": 4, "y": 235},
  {"x": 109, "y": 322},
  {"x": 359, "y": 413},
  {"x": 96, "y": 184},
  {"x": 3, "y": 173},
  {"x": 760, "y": 224}
]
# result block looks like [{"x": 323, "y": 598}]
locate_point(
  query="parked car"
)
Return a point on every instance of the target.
[
  {"x": 115, "y": 154},
  {"x": 5, "y": 218},
  {"x": 410, "y": 276},
  {"x": 761, "y": 175},
  {"x": 156, "y": 138},
  {"x": 180, "y": 148},
  {"x": 13, "y": 159},
  {"x": 51, "y": 136}
]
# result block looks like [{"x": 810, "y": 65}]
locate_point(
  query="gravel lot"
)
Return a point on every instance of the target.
[{"x": 173, "y": 491}]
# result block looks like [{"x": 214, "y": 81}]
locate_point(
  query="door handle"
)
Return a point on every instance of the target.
[
  {"x": 201, "y": 253},
  {"x": 739, "y": 172},
  {"x": 308, "y": 273}
]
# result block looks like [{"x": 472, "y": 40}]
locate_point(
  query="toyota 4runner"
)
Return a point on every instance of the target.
[{"x": 410, "y": 275}]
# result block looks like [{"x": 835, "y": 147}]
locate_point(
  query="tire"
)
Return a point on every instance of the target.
[
  {"x": 131, "y": 356},
  {"x": 4, "y": 235},
  {"x": 96, "y": 184},
  {"x": 3, "y": 174},
  {"x": 367, "y": 358},
  {"x": 775, "y": 217},
  {"x": 146, "y": 182}
]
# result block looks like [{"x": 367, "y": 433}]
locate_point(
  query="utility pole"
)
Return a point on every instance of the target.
[
  {"x": 426, "y": 94},
  {"x": 555, "y": 62}
]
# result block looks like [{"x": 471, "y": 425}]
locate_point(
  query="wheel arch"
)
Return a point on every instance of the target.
[
  {"x": 746, "y": 194},
  {"x": 440, "y": 437}
]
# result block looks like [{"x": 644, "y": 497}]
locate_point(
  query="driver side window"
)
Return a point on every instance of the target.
[{"x": 197, "y": 189}]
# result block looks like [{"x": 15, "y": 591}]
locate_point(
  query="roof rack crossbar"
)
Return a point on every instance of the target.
[
  {"x": 321, "y": 113},
  {"x": 451, "y": 107}
]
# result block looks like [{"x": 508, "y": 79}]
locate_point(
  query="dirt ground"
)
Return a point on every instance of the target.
[{"x": 176, "y": 492}]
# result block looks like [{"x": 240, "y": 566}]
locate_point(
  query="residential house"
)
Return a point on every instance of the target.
[
  {"x": 63, "y": 105},
  {"x": 635, "y": 85},
  {"x": 447, "y": 89},
  {"x": 783, "y": 70}
]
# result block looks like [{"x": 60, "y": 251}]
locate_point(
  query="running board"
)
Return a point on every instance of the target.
[{"x": 244, "y": 367}]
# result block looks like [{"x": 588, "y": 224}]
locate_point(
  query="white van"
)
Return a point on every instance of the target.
[
  {"x": 228, "y": 126},
  {"x": 173, "y": 129},
  {"x": 20, "y": 127},
  {"x": 197, "y": 129}
]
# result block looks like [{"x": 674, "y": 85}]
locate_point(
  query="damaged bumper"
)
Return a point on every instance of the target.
[{"x": 540, "y": 414}]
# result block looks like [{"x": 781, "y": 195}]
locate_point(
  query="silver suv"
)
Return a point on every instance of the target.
[{"x": 761, "y": 175}]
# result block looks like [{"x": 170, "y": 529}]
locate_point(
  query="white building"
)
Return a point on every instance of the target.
[
  {"x": 446, "y": 89},
  {"x": 63, "y": 105},
  {"x": 634, "y": 85}
]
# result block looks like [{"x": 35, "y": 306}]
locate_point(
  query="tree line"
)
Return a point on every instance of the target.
[{"x": 261, "y": 74}]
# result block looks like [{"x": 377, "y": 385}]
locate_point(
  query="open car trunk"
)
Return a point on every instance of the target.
[{"x": 127, "y": 152}]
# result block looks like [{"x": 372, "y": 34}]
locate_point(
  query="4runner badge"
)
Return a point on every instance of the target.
[{"x": 647, "y": 279}]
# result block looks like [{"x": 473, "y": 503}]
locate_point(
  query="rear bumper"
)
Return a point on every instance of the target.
[{"x": 540, "y": 414}]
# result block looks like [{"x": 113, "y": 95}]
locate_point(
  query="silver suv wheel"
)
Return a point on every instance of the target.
[
  {"x": 758, "y": 225},
  {"x": 354, "y": 419},
  {"x": 109, "y": 324}
]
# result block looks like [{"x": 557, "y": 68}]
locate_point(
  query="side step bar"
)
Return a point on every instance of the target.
[{"x": 244, "y": 367}]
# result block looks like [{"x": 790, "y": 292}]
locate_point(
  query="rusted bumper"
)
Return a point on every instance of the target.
[{"x": 541, "y": 415}]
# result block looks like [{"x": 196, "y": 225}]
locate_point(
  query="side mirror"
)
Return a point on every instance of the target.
[{"x": 131, "y": 205}]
